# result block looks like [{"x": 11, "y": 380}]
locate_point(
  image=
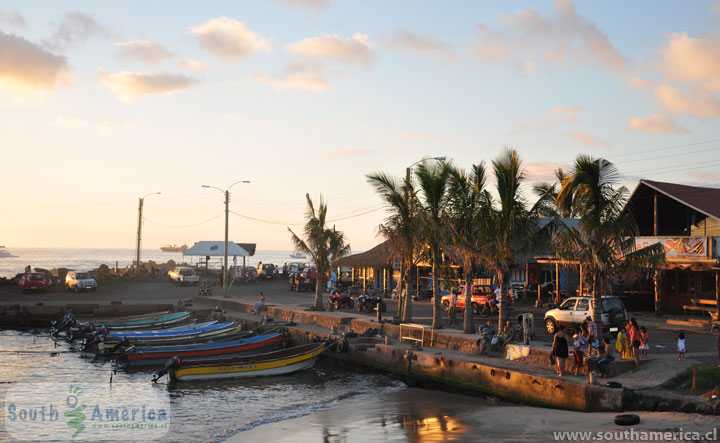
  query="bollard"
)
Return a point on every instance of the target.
[
  {"x": 387, "y": 339},
  {"x": 379, "y": 313}
]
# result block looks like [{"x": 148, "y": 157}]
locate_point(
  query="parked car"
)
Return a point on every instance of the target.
[
  {"x": 573, "y": 311},
  {"x": 483, "y": 296},
  {"x": 183, "y": 275},
  {"x": 33, "y": 281},
  {"x": 267, "y": 271},
  {"x": 301, "y": 281},
  {"x": 80, "y": 281}
]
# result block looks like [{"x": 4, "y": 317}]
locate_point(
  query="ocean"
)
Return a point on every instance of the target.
[{"x": 85, "y": 259}]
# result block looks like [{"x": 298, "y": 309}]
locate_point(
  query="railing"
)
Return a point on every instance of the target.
[{"x": 414, "y": 326}]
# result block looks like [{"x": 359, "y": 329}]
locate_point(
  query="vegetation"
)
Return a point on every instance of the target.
[
  {"x": 708, "y": 378},
  {"x": 324, "y": 245}
]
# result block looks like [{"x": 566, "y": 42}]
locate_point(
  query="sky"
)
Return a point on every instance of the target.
[{"x": 103, "y": 103}]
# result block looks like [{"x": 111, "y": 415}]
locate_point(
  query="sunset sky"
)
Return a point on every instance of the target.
[{"x": 104, "y": 102}]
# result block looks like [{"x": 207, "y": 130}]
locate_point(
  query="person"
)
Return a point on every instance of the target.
[
  {"x": 622, "y": 345},
  {"x": 452, "y": 305},
  {"x": 508, "y": 333},
  {"x": 560, "y": 349},
  {"x": 644, "y": 341},
  {"x": 592, "y": 327},
  {"x": 579, "y": 348},
  {"x": 634, "y": 334},
  {"x": 486, "y": 334},
  {"x": 28, "y": 269},
  {"x": 681, "y": 346},
  {"x": 605, "y": 359},
  {"x": 260, "y": 304}
]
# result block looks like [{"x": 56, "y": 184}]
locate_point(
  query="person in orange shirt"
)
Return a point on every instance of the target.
[{"x": 644, "y": 341}]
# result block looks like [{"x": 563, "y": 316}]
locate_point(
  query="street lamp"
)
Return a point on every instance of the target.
[
  {"x": 226, "y": 191},
  {"x": 407, "y": 197},
  {"x": 139, "y": 230}
]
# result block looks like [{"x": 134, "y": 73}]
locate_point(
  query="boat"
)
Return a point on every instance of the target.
[
  {"x": 114, "y": 347},
  {"x": 174, "y": 248},
  {"x": 166, "y": 320},
  {"x": 165, "y": 334},
  {"x": 4, "y": 253},
  {"x": 280, "y": 362},
  {"x": 297, "y": 256},
  {"x": 158, "y": 356}
]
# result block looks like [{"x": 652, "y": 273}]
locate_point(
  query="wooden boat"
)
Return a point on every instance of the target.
[
  {"x": 174, "y": 319},
  {"x": 158, "y": 356},
  {"x": 284, "y": 361},
  {"x": 164, "y": 334},
  {"x": 173, "y": 341}
]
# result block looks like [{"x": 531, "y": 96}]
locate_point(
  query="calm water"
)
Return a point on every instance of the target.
[
  {"x": 210, "y": 411},
  {"x": 49, "y": 258}
]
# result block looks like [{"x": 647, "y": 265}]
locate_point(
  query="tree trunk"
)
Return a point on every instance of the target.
[
  {"x": 437, "y": 311},
  {"x": 407, "y": 301},
  {"x": 657, "y": 280},
  {"x": 597, "y": 301},
  {"x": 318, "y": 290},
  {"x": 400, "y": 287},
  {"x": 468, "y": 322},
  {"x": 504, "y": 281}
]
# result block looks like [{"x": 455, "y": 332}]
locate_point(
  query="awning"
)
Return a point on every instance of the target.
[{"x": 215, "y": 249}]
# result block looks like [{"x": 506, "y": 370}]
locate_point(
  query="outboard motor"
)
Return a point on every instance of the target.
[
  {"x": 172, "y": 363},
  {"x": 66, "y": 321},
  {"x": 85, "y": 328},
  {"x": 97, "y": 337}
]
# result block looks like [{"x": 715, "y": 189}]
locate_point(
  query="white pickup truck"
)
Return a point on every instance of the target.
[{"x": 183, "y": 276}]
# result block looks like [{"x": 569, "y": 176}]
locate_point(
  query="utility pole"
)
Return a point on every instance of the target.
[
  {"x": 225, "y": 265},
  {"x": 139, "y": 231}
]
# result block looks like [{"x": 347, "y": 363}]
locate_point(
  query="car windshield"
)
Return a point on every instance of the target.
[
  {"x": 82, "y": 275},
  {"x": 568, "y": 304},
  {"x": 35, "y": 277},
  {"x": 609, "y": 304},
  {"x": 186, "y": 271}
]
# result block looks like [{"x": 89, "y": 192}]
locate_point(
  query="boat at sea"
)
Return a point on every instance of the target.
[
  {"x": 297, "y": 256},
  {"x": 280, "y": 362},
  {"x": 174, "y": 248},
  {"x": 4, "y": 253}
]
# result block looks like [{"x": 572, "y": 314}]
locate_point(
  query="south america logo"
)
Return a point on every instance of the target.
[{"x": 76, "y": 413}]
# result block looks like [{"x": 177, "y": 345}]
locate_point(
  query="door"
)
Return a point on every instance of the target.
[{"x": 582, "y": 311}]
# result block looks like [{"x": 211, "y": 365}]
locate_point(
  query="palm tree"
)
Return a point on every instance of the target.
[
  {"x": 468, "y": 202},
  {"x": 433, "y": 184},
  {"x": 322, "y": 244},
  {"x": 605, "y": 241},
  {"x": 509, "y": 226},
  {"x": 400, "y": 230}
]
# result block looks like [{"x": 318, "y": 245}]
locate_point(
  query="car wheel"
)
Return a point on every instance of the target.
[
  {"x": 475, "y": 309},
  {"x": 484, "y": 311},
  {"x": 551, "y": 326},
  {"x": 446, "y": 305}
]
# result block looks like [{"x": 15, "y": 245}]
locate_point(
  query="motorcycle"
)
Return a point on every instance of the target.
[
  {"x": 368, "y": 302},
  {"x": 340, "y": 301}
]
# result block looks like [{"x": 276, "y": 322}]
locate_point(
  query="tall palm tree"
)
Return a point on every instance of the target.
[
  {"x": 606, "y": 239},
  {"x": 324, "y": 245},
  {"x": 468, "y": 202},
  {"x": 509, "y": 226},
  {"x": 433, "y": 183},
  {"x": 400, "y": 229}
]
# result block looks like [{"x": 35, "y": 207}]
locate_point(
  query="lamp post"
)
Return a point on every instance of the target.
[
  {"x": 407, "y": 197},
  {"x": 226, "y": 192},
  {"x": 139, "y": 230}
]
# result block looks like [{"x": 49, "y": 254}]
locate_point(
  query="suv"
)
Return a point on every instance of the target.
[
  {"x": 267, "y": 271},
  {"x": 183, "y": 276},
  {"x": 481, "y": 297},
  {"x": 33, "y": 281},
  {"x": 80, "y": 280},
  {"x": 573, "y": 311}
]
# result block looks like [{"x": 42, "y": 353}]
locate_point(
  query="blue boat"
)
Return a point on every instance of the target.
[
  {"x": 168, "y": 333},
  {"x": 201, "y": 346}
]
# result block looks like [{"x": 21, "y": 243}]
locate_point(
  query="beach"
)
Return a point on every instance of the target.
[{"x": 418, "y": 415}]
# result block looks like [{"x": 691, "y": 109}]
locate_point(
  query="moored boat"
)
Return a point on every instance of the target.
[
  {"x": 173, "y": 319},
  {"x": 280, "y": 362},
  {"x": 164, "y": 334},
  {"x": 158, "y": 356},
  {"x": 173, "y": 341}
]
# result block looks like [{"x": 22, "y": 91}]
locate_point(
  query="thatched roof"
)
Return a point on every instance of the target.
[{"x": 377, "y": 257}]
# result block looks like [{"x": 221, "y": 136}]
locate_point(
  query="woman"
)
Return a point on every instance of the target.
[
  {"x": 560, "y": 350},
  {"x": 605, "y": 358},
  {"x": 634, "y": 333}
]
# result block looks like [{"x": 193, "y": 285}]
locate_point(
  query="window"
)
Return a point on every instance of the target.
[
  {"x": 582, "y": 305},
  {"x": 568, "y": 305}
]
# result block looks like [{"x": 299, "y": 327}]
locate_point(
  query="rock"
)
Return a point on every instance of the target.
[{"x": 103, "y": 269}]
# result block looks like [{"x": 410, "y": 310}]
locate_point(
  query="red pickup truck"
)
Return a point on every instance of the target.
[
  {"x": 482, "y": 295},
  {"x": 33, "y": 281}
]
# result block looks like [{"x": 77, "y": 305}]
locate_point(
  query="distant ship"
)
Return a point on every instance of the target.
[
  {"x": 297, "y": 256},
  {"x": 174, "y": 248},
  {"x": 4, "y": 252}
]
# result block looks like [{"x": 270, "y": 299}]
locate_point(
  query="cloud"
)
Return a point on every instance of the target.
[
  {"x": 105, "y": 127},
  {"x": 298, "y": 75},
  {"x": 695, "y": 61},
  {"x": 27, "y": 66},
  {"x": 69, "y": 122},
  {"x": 143, "y": 51},
  {"x": 356, "y": 49},
  {"x": 75, "y": 28},
  {"x": 698, "y": 102},
  {"x": 229, "y": 39},
  {"x": 569, "y": 113},
  {"x": 407, "y": 40},
  {"x": 636, "y": 82},
  {"x": 715, "y": 8},
  {"x": 585, "y": 138},
  {"x": 566, "y": 37},
  {"x": 316, "y": 5},
  {"x": 189, "y": 63},
  {"x": 708, "y": 177},
  {"x": 233, "y": 117},
  {"x": 128, "y": 85},
  {"x": 12, "y": 18},
  {"x": 656, "y": 124},
  {"x": 543, "y": 172},
  {"x": 351, "y": 153}
]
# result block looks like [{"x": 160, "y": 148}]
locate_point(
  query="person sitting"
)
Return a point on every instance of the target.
[
  {"x": 487, "y": 332},
  {"x": 259, "y": 305},
  {"x": 508, "y": 333},
  {"x": 605, "y": 358}
]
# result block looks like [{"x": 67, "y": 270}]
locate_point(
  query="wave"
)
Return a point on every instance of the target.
[{"x": 305, "y": 410}]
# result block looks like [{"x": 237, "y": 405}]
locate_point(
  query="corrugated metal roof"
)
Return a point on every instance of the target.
[{"x": 705, "y": 200}]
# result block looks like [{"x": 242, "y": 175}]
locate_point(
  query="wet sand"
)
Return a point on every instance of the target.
[{"x": 417, "y": 415}]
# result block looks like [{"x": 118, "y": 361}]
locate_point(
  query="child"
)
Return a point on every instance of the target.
[
  {"x": 644, "y": 341},
  {"x": 681, "y": 346}
]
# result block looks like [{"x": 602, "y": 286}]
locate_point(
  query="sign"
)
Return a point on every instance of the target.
[
  {"x": 534, "y": 274},
  {"x": 677, "y": 246}
]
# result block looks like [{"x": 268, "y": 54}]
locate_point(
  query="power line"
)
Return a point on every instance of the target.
[{"x": 182, "y": 227}]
